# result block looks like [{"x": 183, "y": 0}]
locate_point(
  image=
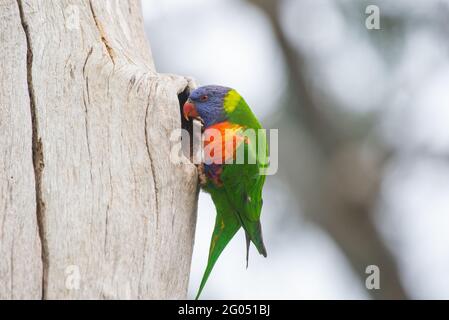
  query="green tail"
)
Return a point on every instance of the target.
[
  {"x": 226, "y": 226},
  {"x": 253, "y": 231},
  {"x": 257, "y": 240},
  {"x": 227, "y": 223}
]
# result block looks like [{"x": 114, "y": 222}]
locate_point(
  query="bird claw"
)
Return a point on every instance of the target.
[{"x": 202, "y": 178}]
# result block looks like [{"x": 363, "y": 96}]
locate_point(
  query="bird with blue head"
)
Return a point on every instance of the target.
[{"x": 236, "y": 189}]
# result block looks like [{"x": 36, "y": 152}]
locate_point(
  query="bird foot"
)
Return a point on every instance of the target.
[{"x": 202, "y": 178}]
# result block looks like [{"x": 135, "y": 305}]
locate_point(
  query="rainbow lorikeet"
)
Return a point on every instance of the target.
[{"x": 236, "y": 189}]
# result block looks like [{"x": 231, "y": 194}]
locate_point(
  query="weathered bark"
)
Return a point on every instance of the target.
[{"x": 86, "y": 181}]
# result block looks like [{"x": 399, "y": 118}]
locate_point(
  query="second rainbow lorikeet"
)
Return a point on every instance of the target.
[{"x": 236, "y": 189}]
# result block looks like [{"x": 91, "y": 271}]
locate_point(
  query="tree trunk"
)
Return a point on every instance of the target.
[{"x": 90, "y": 205}]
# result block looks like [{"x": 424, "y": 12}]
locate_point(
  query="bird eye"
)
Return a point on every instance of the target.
[{"x": 204, "y": 98}]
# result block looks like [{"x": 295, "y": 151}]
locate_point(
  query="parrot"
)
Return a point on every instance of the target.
[{"x": 235, "y": 189}]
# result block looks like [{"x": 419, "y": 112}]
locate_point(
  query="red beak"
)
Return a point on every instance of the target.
[{"x": 189, "y": 110}]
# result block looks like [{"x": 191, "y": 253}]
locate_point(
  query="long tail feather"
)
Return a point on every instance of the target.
[
  {"x": 253, "y": 232},
  {"x": 248, "y": 242},
  {"x": 258, "y": 240},
  {"x": 226, "y": 226}
]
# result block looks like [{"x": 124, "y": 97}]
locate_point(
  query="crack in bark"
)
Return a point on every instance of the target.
[
  {"x": 86, "y": 113},
  {"x": 156, "y": 195},
  {"x": 145, "y": 244},
  {"x": 153, "y": 170},
  {"x": 86, "y": 130},
  {"x": 103, "y": 38},
  {"x": 38, "y": 159}
]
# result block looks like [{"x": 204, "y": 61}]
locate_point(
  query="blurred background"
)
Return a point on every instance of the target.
[{"x": 363, "y": 119}]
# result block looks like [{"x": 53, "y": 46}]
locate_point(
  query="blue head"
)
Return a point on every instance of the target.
[{"x": 207, "y": 103}]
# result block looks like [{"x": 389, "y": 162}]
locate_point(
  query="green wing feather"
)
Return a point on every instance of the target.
[
  {"x": 243, "y": 186},
  {"x": 243, "y": 183}
]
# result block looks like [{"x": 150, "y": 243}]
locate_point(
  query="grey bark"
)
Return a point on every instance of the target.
[{"x": 90, "y": 204}]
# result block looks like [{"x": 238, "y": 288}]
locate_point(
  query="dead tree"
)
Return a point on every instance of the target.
[{"x": 90, "y": 204}]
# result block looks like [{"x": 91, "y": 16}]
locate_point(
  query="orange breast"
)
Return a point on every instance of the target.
[{"x": 221, "y": 141}]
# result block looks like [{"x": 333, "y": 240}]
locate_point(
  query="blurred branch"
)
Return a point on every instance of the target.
[
  {"x": 344, "y": 182},
  {"x": 349, "y": 196},
  {"x": 317, "y": 124}
]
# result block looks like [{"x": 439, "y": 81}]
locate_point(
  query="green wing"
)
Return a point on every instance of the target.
[
  {"x": 243, "y": 182},
  {"x": 226, "y": 226},
  {"x": 243, "y": 186}
]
